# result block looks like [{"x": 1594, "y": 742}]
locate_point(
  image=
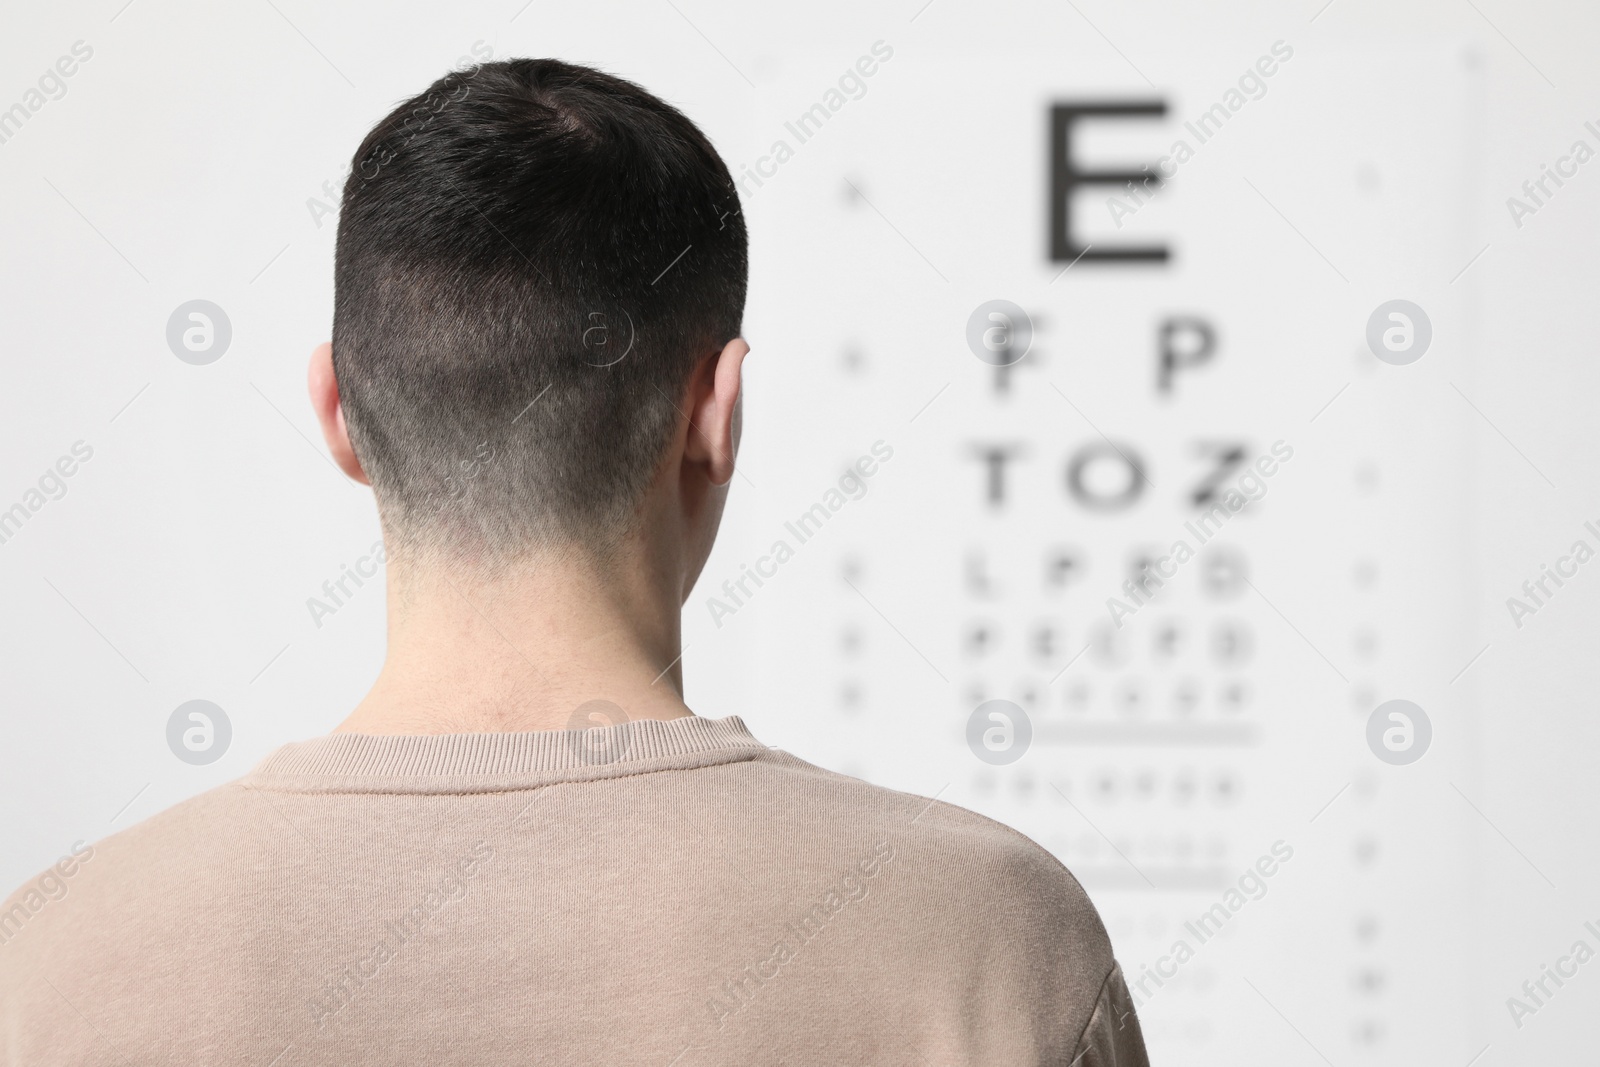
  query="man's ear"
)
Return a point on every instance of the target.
[
  {"x": 714, "y": 412},
  {"x": 330, "y": 413}
]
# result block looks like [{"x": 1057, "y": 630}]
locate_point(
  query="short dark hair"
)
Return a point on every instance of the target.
[{"x": 533, "y": 258}]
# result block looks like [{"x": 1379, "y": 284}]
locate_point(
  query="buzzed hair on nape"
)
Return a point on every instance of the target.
[{"x": 533, "y": 258}]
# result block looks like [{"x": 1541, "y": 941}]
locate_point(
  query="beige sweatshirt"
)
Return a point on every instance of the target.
[{"x": 661, "y": 893}]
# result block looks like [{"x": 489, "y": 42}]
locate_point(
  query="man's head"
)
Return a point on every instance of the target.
[{"x": 539, "y": 284}]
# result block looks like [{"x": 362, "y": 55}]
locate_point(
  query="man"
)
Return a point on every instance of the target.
[{"x": 536, "y": 365}]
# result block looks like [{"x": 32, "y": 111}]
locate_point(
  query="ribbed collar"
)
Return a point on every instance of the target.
[{"x": 483, "y": 763}]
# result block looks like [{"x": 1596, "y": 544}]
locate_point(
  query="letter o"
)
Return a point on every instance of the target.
[{"x": 1105, "y": 451}]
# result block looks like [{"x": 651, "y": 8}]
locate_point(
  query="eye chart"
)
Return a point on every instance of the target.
[{"x": 996, "y": 387}]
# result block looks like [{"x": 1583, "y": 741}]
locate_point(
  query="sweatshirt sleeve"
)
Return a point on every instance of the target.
[{"x": 1112, "y": 1037}]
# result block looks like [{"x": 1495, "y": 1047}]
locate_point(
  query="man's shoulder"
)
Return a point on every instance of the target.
[
  {"x": 120, "y": 877},
  {"x": 971, "y": 902},
  {"x": 992, "y": 874}
]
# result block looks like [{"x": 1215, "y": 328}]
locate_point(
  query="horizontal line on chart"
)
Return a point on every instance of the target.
[
  {"x": 1165, "y": 878},
  {"x": 1144, "y": 733}
]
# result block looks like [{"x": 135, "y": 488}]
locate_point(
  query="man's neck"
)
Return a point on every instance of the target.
[{"x": 525, "y": 651}]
